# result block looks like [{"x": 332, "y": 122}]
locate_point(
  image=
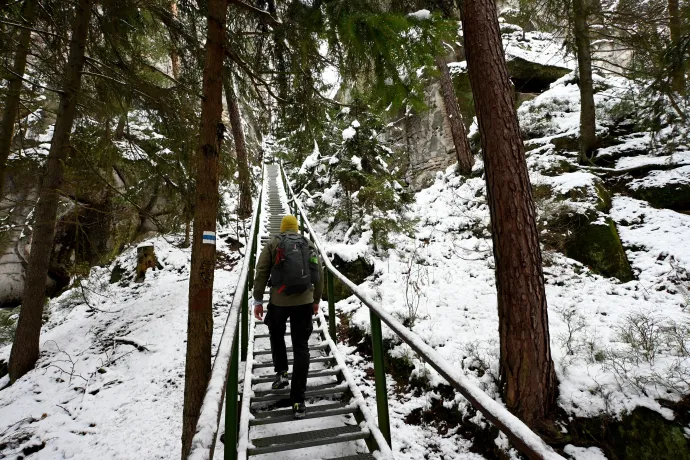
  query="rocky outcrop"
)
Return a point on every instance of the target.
[
  {"x": 664, "y": 189},
  {"x": 92, "y": 228},
  {"x": 427, "y": 139},
  {"x": 426, "y": 136},
  {"x": 576, "y": 223}
]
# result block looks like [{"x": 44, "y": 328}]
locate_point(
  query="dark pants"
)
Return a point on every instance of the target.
[{"x": 301, "y": 327}]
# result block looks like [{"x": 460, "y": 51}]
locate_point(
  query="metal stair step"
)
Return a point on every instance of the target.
[
  {"x": 306, "y": 439},
  {"x": 261, "y": 414},
  {"x": 318, "y": 359},
  {"x": 287, "y": 334},
  {"x": 314, "y": 391},
  {"x": 313, "y": 319},
  {"x": 311, "y": 375},
  {"x": 286, "y": 391},
  {"x": 366, "y": 456},
  {"x": 322, "y": 346},
  {"x": 285, "y": 415}
]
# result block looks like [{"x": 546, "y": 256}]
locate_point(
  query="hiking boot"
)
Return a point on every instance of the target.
[
  {"x": 281, "y": 381},
  {"x": 299, "y": 410}
]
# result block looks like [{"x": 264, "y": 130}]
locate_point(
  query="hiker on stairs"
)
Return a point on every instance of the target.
[{"x": 291, "y": 266}]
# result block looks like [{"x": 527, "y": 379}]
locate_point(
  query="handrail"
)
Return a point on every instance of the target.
[
  {"x": 204, "y": 441},
  {"x": 515, "y": 429}
]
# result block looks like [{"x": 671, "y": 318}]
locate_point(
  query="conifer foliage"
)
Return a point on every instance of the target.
[{"x": 355, "y": 177}]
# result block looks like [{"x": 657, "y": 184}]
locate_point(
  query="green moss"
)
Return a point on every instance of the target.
[
  {"x": 646, "y": 435},
  {"x": 463, "y": 91},
  {"x": 640, "y": 435},
  {"x": 672, "y": 196},
  {"x": 599, "y": 247},
  {"x": 603, "y": 197},
  {"x": 357, "y": 271},
  {"x": 8, "y": 324}
]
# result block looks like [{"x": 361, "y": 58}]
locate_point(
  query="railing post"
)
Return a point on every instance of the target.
[
  {"x": 380, "y": 375},
  {"x": 245, "y": 320},
  {"x": 231, "y": 406},
  {"x": 331, "y": 305},
  {"x": 301, "y": 223}
]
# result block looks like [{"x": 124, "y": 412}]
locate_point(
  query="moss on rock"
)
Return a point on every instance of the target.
[
  {"x": 463, "y": 91},
  {"x": 599, "y": 247},
  {"x": 646, "y": 435},
  {"x": 642, "y": 434},
  {"x": 357, "y": 271},
  {"x": 672, "y": 196}
]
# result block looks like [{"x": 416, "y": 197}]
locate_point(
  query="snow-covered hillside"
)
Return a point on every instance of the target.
[{"x": 109, "y": 382}]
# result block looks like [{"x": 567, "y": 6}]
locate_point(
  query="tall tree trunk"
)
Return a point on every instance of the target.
[
  {"x": 26, "y": 344},
  {"x": 677, "y": 69},
  {"x": 10, "y": 112},
  {"x": 457, "y": 128},
  {"x": 174, "y": 56},
  {"x": 527, "y": 372},
  {"x": 588, "y": 135},
  {"x": 244, "y": 209},
  {"x": 200, "y": 319}
]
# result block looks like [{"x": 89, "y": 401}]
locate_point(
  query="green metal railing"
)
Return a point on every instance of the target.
[
  {"x": 223, "y": 384},
  {"x": 519, "y": 434}
]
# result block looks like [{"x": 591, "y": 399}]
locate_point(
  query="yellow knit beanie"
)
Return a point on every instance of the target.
[{"x": 288, "y": 223}]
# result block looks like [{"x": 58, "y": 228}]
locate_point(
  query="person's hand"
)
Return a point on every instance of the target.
[
  {"x": 316, "y": 308},
  {"x": 258, "y": 310}
]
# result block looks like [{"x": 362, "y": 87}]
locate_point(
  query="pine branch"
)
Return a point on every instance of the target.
[
  {"x": 57, "y": 91},
  {"x": 262, "y": 14},
  {"x": 22, "y": 26}
]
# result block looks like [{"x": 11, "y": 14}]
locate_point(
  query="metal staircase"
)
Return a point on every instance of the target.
[
  {"x": 257, "y": 422},
  {"x": 333, "y": 427}
]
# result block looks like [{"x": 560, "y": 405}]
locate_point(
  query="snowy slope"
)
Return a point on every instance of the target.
[{"x": 109, "y": 382}]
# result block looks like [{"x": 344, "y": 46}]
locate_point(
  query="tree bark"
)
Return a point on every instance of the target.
[
  {"x": 677, "y": 69},
  {"x": 25, "y": 348},
  {"x": 174, "y": 56},
  {"x": 457, "y": 128},
  {"x": 200, "y": 315},
  {"x": 588, "y": 135},
  {"x": 527, "y": 371},
  {"x": 244, "y": 210},
  {"x": 14, "y": 88}
]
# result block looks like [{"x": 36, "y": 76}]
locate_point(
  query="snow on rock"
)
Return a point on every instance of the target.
[
  {"x": 566, "y": 182},
  {"x": 442, "y": 283},
  {"x": 657, "y": 179},
  {"x": 584, "y": 453},
  {"x": 110, "y": 378}
]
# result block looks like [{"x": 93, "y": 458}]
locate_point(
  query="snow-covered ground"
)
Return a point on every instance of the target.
[{"x": 109, "y": 382}]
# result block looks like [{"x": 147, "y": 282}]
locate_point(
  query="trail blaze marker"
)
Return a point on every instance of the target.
[{"x": 209, "y": 238}]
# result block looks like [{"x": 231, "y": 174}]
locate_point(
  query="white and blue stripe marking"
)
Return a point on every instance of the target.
[{"x": 209, "y": 238}]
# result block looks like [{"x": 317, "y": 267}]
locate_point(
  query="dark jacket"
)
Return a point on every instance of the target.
[{"x": 263, "y": 272}]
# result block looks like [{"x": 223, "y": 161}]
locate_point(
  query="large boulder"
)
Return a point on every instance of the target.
[
  {"x": 597, "y": 245},
  {"x": 664, "y": 189},
  {"x": 574, "y": 221},
  {"x": 533, "y": 77}
]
